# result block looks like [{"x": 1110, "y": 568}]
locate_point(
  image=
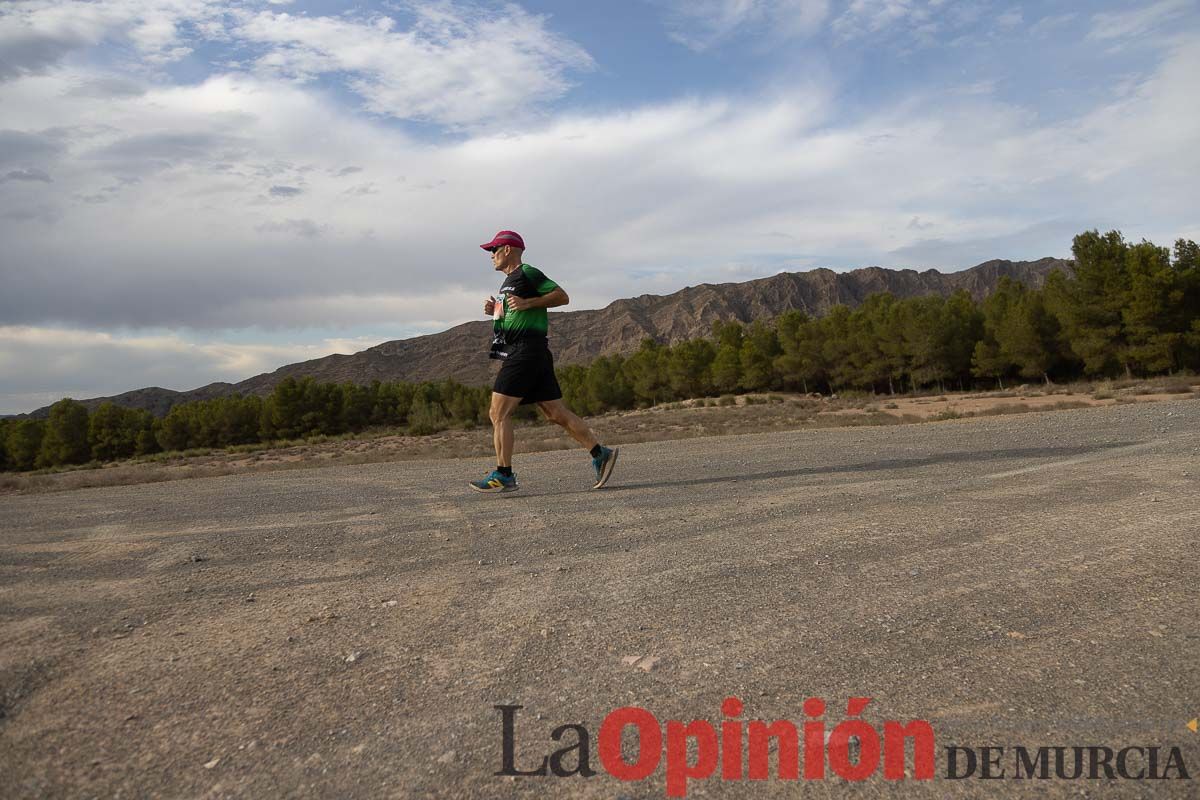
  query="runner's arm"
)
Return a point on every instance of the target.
[{"x": 551, "y": 299}]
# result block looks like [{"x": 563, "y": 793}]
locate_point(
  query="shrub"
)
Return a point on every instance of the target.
[{"x": 426, "y": 417}]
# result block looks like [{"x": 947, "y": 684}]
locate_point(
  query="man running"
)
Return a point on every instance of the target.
[{"x": 519, "y": 330}]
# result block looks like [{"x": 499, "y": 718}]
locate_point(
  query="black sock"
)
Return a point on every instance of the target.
[
  {"x": 595, "y": 451},
  {"x": 505, "y": 471}
]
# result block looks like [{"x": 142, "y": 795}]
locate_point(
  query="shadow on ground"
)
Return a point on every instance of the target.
[{"x": 882, "y": 465}]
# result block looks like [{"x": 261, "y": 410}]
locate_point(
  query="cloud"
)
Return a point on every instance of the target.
[
  {"x": 304, "y": 228},
  {"x": 917, "y": 23},
  {"x": 30, "y": 174},
  {"x": 445, "y": 68},
  {"x": 19, "y": 147},
  {"x": 50, "y": 363},
  {"x": 1051, "y": 238},
  {"x": 773, "y": 180},
  {"x": 107, "y": 86},
  {"x": 455, "y": 66},
  {"x": 362, "y": 189},
  {"x": 1011, "y": 18},
  {"x": 153, "y": 151},
  {"x": 701, "y": 24},
  {"x": 31, "y": 53},
  {"x": 285, "y": 191},
  {"x": 1112, "y": 25},
  {"x": 36, "y": 35},
  {"x": 44, "y": 213},
  {"x": 863, "y": 17},
  {"x": 1051, "y": 23}
]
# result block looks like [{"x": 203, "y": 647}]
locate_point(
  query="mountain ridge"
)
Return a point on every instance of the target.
[{"x": 618, "y": 328}]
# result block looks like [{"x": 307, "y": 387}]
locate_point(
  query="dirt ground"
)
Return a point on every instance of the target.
[{"x": 346, "y": 631}]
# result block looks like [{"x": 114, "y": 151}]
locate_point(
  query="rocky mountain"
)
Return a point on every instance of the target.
[{"x": 580, "y": 336}]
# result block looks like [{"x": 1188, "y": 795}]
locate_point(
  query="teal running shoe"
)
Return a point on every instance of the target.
[
  {"x": 603, "y": 464},
  {"x": 495, "y": 482}
]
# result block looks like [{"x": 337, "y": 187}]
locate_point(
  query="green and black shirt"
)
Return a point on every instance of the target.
[{"x": 530, "y": 325}]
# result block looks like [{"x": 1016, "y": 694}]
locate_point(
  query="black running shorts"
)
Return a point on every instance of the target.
[{"x": 528, "y": 373}]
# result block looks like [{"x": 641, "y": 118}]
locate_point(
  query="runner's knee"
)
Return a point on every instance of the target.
[
  {"x": 498, "y": 414},
  {"x": 557, "y": 413}
]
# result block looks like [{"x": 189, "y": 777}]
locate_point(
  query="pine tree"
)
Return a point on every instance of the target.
[
  {"x": 834, "y": 331},
  {"x": 962, "y": 328},
  {"x": 66, "y": 438},
  {"x": 876, "y": 351},
  {"x": 145, "y": 440},
  {"x": 989, "y": 360},
  {"x": 688, "y": 368},
  {"x": 1187, "y": 264},
  {"x": 25, "y": 442},
  {"x": 646, "y": 371},
  {"x": 924, "y": 334},
  {"x": 112, "y": 432},
  {"x": 760, "y": 348},
  {"x": 727, "y": 368},
  {"x": 1028, "y": 337},
  {"x": 1156, "y": 320},
  {"x": 572, "y": 380},
  {"x": 174, "y": 432},
  {"x": 800, "y": 363},
  {"x": 1089, "y": 304},
  {"x": 5, "y": 462},
  {"x": 727, "y": 361},
  {"x": 607, "y": 386}
]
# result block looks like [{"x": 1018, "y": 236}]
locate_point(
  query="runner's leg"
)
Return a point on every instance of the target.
[
  {"x": 557, "y": 412},
  {"x": 500, "y": 413}
]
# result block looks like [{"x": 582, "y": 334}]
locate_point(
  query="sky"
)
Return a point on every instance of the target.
[{"x": 193, "y": 191}]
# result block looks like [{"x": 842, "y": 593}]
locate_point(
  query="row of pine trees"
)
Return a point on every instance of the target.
[
  {"x": 296, "y": 409},
  {"x": 1127, "y": 309}
]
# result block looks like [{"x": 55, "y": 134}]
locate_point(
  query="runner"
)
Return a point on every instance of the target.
[{"x": 519, "y": 330}]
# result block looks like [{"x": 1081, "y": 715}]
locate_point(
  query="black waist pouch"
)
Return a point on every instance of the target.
[
  {"x": 515, "y": 345},
  {"x": 500, "y": 348}
]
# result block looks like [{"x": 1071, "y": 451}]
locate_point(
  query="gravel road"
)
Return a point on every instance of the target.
[{"x": 345, "y": 632}]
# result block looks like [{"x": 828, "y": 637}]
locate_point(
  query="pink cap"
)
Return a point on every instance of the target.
[{"x": 511, "y": 238}]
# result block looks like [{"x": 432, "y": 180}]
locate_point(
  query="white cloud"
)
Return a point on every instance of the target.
[
  {"x": 193, "y": 236},
  {"x": 35, "y": 35},
  {"x": 1011, "y": 18},
  {"x": 455, "y": 67},
  {"x": 863, "y": 17},
  {"x": 918, "y": 23},
  {"x": 700, "y": 24},
  {"x": 1113, "y": 25},
  {"x": 1051, "y": 23}
]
